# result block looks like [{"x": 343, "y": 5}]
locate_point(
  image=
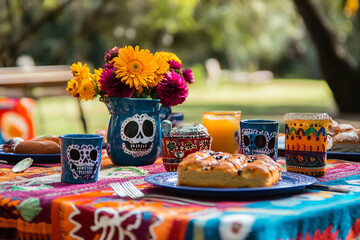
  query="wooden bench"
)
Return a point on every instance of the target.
[{"x": 36, "y": 82}]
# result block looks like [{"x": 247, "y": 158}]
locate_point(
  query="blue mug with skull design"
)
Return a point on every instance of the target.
[
  {"x": 80, "y": 157},
  {"x": 260, "y": 137},
  {"x": 133, "y": 132}
]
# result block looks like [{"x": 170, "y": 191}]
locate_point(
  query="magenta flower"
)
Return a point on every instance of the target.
[
  {"x": 113, "y": 86},
  {"x": 172, "y": 90},
  {"x": 188, "y": 75},
  {"x": 174, "y": 64},
  {"x": 109, "y": 66},
  {"x": 110, "y": 54}
]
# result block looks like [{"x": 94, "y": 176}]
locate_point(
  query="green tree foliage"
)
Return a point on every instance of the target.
[
  {"x": 242, "y": 34},
  {"x": 60, "y": 31}
]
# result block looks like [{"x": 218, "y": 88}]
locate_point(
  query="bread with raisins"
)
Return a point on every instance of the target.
[{"x": 223, "y": 170}]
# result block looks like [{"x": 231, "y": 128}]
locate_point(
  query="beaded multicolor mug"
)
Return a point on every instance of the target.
[{"x": 305, "y": 142}]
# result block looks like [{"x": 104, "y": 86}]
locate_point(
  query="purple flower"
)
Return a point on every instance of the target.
[
  {"x": 113, "y": 86},
  {"x": 109, "y": 66},
  {"x": 174, "y": 64},
  {"x": 110, "y": 54},
  {"x": 188, "y": 75},
  {"x": 172, "y": 90}
]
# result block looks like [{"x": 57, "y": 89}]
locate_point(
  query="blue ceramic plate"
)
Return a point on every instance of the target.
[
  {"x": 14, "y": 158},
  {"x": 291, "y": 182},
  {"x": 334, "y": 155},
  {"x": 345, "y": 156}
]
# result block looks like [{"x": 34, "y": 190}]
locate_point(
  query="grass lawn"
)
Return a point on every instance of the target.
[{"x": 59, "y": 115}]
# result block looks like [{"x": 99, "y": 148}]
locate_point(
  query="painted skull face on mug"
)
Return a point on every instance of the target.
[
  {"x": 138, "y": 134},
  {"x": 84, "y": 160},
  {"x": 259, "y": 142}
]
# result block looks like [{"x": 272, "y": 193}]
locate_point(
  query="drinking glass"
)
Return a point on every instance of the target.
[
  {"x": 224, "y": 128},
  {"x": 305, "y": 142}
]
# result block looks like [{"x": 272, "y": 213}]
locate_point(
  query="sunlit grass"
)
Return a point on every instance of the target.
[{"x": 271, "y": 100}]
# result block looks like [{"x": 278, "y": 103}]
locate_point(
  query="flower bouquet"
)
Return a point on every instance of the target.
[
  {"x": 133, "y": 73},
  {"x": 133, "y": 83}
]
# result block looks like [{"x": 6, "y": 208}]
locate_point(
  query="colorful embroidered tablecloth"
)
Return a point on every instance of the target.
[{"x": 35, "y": 205}]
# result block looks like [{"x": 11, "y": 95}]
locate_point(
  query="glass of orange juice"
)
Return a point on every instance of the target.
[{"x": 224, "y": 128}]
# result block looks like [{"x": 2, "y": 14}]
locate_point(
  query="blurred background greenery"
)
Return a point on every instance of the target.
[
  {"x": 59, "y": 115},
  {"x": 239, "y": 36}
]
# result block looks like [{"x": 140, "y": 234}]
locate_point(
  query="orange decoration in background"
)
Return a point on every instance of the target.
[{"x": 16, "y": 118}]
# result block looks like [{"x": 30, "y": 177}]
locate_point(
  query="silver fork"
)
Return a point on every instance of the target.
[
  {"x": 128, "y": 189},
  {"x": 132, "y": 191},
  {"x": 118, "y": 189}
]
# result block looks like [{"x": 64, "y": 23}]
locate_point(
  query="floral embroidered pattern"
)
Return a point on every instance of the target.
[
  {"x": 109, "y": 223},
  {"x": 8, "y": 208}
]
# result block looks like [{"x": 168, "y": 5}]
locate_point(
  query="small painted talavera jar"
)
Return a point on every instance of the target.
[{"x": 181, "y": 141}]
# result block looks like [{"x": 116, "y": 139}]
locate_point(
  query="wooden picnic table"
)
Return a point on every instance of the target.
[{"x": 36, "y": 82}]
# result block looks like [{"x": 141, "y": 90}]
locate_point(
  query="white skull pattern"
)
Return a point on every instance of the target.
[
  {"x": 83, "y": 160},
  {"x": 138, "y": 134},
  {"x": 259, "y": 142}
]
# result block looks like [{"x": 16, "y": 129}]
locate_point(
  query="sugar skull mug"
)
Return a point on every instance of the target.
[
  {"x": 260, "y": 137},
  {"x": 80, "y": 157}
]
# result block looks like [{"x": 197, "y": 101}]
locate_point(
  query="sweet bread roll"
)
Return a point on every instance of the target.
[
  {"x": 348, "y": 141},
  {"x": 48, "y": 138},
  {"x": 37, "y": 147},
  {"x": 336, "y": 128},
  {"x": 223, "y": 170}
]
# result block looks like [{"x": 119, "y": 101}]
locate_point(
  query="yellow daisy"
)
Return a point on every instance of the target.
[
  {"x": 87, "y": 90},
  {"x": 79, "y": 71},
  {"x": 169, "y": 57},
  {"x": 163, "y": 68},
  {"x": 96, "y": 76},
  {"x": 72, "y": 87},
  {"x": 97, "y": 73},
  {"x": 135, "y": 67}
]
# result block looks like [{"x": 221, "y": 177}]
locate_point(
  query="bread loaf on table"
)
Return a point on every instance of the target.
[
  {"x": 336, "y": 128},
  {"x": 223, "y": 170},
  {"x": 37, "y": 147},
  {"x": 348, "y": 141},
  {"x": 48, "y": 137}
]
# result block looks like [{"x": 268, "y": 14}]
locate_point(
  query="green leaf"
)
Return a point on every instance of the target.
[{"x": 29, "y": 209}]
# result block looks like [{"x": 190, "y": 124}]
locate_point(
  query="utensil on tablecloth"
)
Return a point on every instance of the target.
[
  {"x": 118, "y": 189},
  {"x": 121, "y": 191},
  {"x": 324, "y": 187},
  {"x": 22, "y": 165},
  {"x": 132, "y": 191}
]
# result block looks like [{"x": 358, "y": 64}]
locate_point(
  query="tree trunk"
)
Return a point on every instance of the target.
[{"x": 338, "y": 69}]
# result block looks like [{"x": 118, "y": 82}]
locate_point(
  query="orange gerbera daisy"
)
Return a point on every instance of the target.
[{"x": 135, "y": 67}]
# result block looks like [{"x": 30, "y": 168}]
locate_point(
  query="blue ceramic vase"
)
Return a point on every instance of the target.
[{"x": 133, "y": 137}]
